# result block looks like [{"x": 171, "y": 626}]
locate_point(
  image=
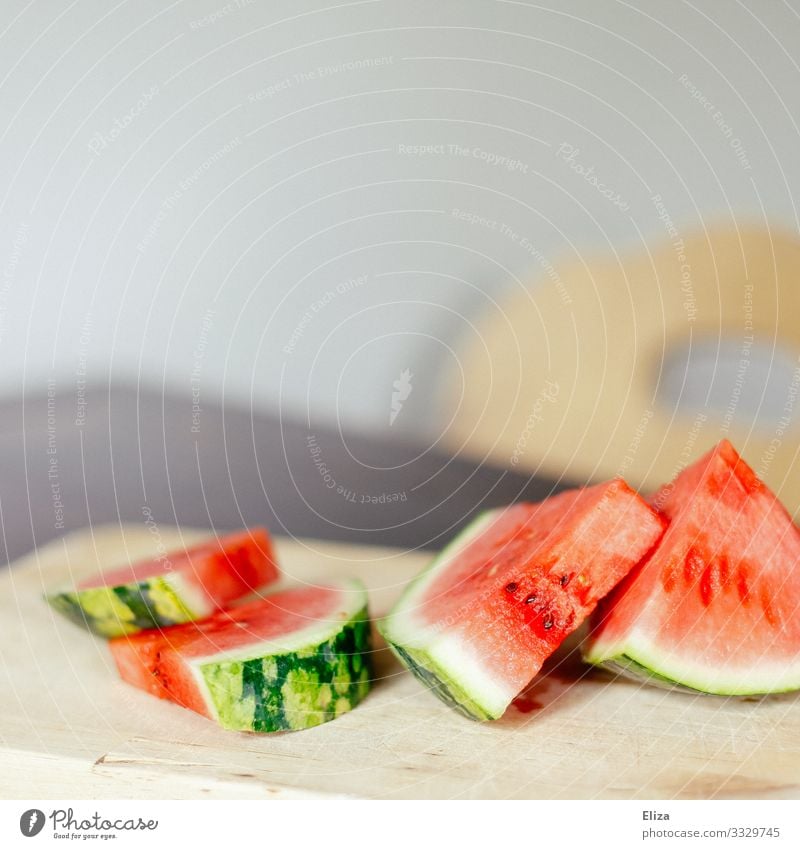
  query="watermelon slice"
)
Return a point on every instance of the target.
[
  {"x": 176, "y": 587},
  {"x": 715, "y": 608},
  {"x": 287, "y": 661},
  {"x": 479, "y": 622}
]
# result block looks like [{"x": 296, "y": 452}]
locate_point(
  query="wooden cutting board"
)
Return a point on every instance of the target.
[{"x": 70, "y": 729}]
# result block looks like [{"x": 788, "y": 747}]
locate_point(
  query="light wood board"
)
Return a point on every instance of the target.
[{"x": 70, "y": 729}]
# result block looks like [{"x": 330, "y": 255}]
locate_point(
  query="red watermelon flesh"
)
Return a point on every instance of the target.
[
  {"x": 479, "y": 622},
  {"x": 716, "y": 606},
  {"x": 177, "y": 586},
  {"x": 221, "y": 569}
]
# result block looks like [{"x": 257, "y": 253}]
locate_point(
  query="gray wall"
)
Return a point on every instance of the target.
[{"x": 256, "y": 200}]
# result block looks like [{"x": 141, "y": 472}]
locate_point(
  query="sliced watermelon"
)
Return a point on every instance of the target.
[
  {"x": 715, "y": 607},
  {"x": 479, "y": 622},
  {"x": 287, "y": 661},
  {"x": 178, "y": 586}
]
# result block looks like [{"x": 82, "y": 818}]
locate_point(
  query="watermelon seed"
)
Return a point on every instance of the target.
[
  {"x": 512, "y": 587},
  {"x": 548, "y": 623},
  {"x": 564, "y": 580},
  {"x": 531, "y": 598}
]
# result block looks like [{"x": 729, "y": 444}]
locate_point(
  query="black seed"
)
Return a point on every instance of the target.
[
  {"x": 512, "y": 587},
  {"x": 564, "y": 580},
  {"x": 548, "y": 623},
  {"x": 531, "y": 598}
]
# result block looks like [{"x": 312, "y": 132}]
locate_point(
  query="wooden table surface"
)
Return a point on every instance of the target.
[{"x": 70, "y": 729}]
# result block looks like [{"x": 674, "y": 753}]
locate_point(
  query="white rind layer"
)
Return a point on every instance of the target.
[
  {"x": 468, "y": 671},
  {"x": 402, "y": 624},
  {"x": 756, "y": 679},
  {"x": 446, "y": 651},
  {"x": 353, "y": 599},
  {"x": 192, "y": 596}
]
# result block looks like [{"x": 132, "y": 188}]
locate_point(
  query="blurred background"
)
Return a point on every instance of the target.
[{"x": 359, "y": 270}]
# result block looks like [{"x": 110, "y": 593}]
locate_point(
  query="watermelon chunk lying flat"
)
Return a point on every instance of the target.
[
  {"x": 716, "y": 607},
  {"x": 479, "y": 622},
  {"x": 176, "y": 587},
  {"x": 288, "y": 661}
]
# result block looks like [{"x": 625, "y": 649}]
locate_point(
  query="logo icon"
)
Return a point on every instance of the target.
[
  {"x": 402, "y": 389},
  {"x": 31, "y": 822}
]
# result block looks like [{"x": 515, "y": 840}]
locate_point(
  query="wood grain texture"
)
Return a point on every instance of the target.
[{"x": 70, "y": 729}]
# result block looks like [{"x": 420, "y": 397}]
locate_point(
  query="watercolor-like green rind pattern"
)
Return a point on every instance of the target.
[
  {"x": 293, "y": 690},
  {"x": 116, "y": 611}
]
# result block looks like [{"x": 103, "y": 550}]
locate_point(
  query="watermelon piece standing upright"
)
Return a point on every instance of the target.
[
  {"x": 178, "y": 586},
  {"x": 287, "y": 661},
  {"x": 716, "y": 607},
  {"x": 479, "y": 622}
]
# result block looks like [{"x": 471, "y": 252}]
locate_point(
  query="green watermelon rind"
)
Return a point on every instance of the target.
[
  {"x": 436, "y": 678},
  {"x": 627, "y": 667},
  {"x": 296, "y": 690},
  {"x": 126, "y": 609},
  {"x": 648, "y": 668},
  {"x": 428, "y": 660}
]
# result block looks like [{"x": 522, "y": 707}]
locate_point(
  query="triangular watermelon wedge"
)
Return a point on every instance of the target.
[
  {"x": 477, "y": 624},
  {"x": 716, "y": 607}
]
